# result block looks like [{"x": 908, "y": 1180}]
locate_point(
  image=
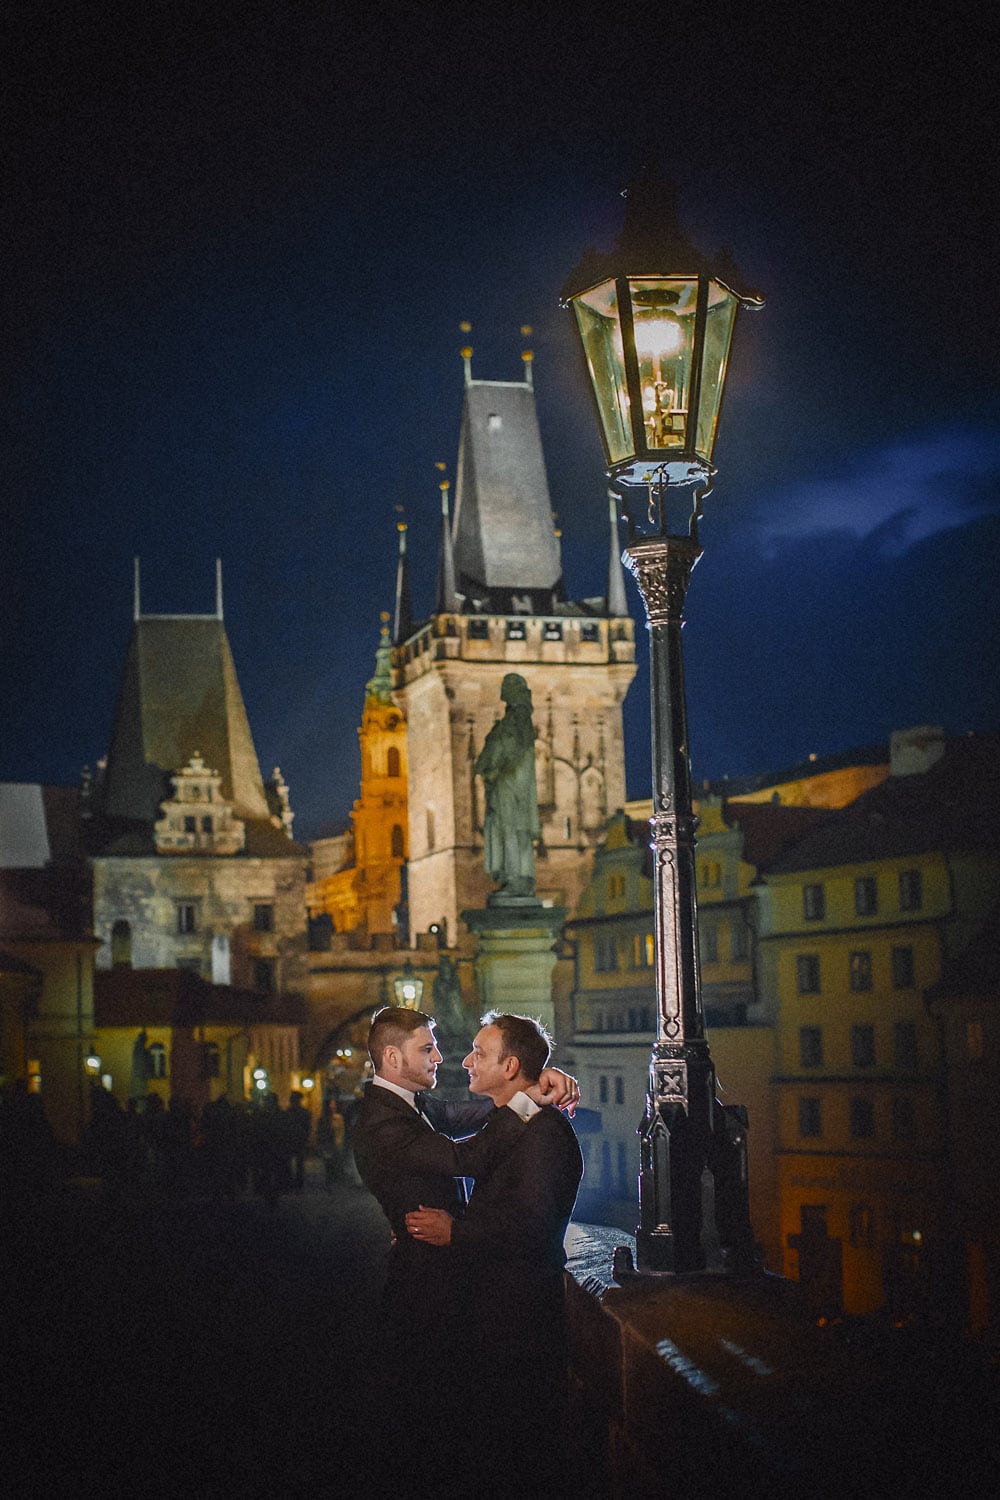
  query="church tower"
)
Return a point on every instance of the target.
[{"x": 501, "y": 607}]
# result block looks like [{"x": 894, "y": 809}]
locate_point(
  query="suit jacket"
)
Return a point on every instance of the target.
[
  {"x": 518, "y": 1214},
  {"x": 405, "y": 1162}
]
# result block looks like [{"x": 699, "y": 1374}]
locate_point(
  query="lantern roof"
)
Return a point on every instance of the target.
[{"x": 652, "y": 243}]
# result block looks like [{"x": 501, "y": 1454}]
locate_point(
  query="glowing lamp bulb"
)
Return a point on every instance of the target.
[{"x": 658, "y": 338}]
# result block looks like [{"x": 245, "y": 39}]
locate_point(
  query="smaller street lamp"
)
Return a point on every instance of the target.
[
  {"x": 408, "y": 987},
  {"x": 655, "y": 320}
]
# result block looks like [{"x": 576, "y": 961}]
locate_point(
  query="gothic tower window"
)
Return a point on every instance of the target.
[
  {"x": 121, "y": 945},
  {"x": 392, "y": 762},
  {"x": 397, "y": 842}
]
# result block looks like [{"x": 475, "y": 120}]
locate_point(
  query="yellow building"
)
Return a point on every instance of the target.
[
  {"x": 366, "y": 891},
  {"x": 855, "y": 920}
]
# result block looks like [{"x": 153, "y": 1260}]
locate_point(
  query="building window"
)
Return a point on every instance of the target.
[
  {"x": 552, "y": 631},
  {"x": 811, "y": 1046},
  {"x": 392, "y": 762},
  {"x": 911, "y": 890},
  {"x": 807, "y": 971},
  {"x": 709, "y": 943},
  {"x": 902, "y": 969},
  {"x": 863, "y": 1046},
  {"x": 904, "y": 1038},
  {"x": 741, "y": 939},
  {"x": 210, "y": 1060},
  {"x": 711, "y": 872},
  {"x": 263, "y": 918},
  {"x": 157, "y": 1054},
  {"x": 862, "y": 1226},
  {"x": 866, "y": 896},
  {"x": 616, "y": 887},
  {"x": 121, "y": 945},
  {"x": 861, "y": 971},
  {"x": 619, "y": 1091},
  {"x": 903, "y": 1118},
  {"x": 397, "y": 841},
  {"x": 479, "y": 628},
  {"x": 590, "y": 631},
  {"x": 263, "y": 976},
  {"x": 602, "y": 1089},
  {"x": 810, "y": 1117},
  {"x": 516, "y": 630},
  {"x": 190, "y": 825},
  {"x": 186, "y": 917},
  {"x": 642, "y": 950},
  {"x": 605, "y": 954},
  {"x": 813, "y": 903},
  {"x": 206, "y": 825},
  {"x": 862, "y": 1118}
]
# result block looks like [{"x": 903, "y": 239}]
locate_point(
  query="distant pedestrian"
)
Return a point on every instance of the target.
[{"x": 298, "y": 1129}]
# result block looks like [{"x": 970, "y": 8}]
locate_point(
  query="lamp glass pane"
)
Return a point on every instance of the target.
[
  {"x": 601, "y": 334},
  {"x": 722, "y": 307},
  {"x": 663, "y": 313}
]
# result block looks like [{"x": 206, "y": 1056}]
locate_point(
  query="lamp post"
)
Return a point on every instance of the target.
[
  {"x": 408, "y": 987},
  {"x": 655, "y": 321}
]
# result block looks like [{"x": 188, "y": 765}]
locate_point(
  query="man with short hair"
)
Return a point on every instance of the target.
[
  {"x": 407, "y": 1159},
  {"x": 511, "y": 1238}
]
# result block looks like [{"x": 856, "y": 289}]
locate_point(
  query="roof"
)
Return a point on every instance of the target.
[
  {"x": 44, "y": 879},
  {"x": 953, "y": 806},
  {"x": 45, "y": 906},
  {"x": 769, "y": 828},
  {"x": 179, "y": 694},
  {"x": 178, "y": 997},
  {"x": 39, "y": 825},
  {"x": 503, "y": 534}
]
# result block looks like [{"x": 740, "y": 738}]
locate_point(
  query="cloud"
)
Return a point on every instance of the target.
[{"x": 893, "y": 496}]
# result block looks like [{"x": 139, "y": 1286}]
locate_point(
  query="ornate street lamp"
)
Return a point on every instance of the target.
[
  {"x": 655, "y": 320},
  {"x": 408, "y": 987}
]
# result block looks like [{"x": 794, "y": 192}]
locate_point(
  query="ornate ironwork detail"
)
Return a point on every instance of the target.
[{"x": 661, "y": 566}]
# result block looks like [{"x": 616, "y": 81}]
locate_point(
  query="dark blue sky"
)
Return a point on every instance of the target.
[{"x": 244, "y": 238}]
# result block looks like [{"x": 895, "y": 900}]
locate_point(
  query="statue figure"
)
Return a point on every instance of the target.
[
  {"x": 449, "y": 1012},
  {"x": 507, "y": 766}
]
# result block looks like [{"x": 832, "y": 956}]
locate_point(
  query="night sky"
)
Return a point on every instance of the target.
[{"x": 242, "y": 239}]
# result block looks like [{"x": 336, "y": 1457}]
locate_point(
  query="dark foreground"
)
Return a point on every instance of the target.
[{"x": 188, "y": 1347}]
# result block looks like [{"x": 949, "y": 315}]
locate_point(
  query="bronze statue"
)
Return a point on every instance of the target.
[{"x": 507, "y": 766}]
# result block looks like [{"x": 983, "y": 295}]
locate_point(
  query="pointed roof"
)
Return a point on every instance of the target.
[
  {"x": 503, "y": 534},
  {"x": 179, "y": 694},
  {"x": 379, "y": 685},
  {"x": 446, "y": 601},
  {"x": 403, "y": 618}
]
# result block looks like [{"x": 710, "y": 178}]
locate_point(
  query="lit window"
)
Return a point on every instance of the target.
[
  {"x": 866, "y": 896},
  {"x": 861, "y": 971},
  {"x": 157, "y": 1054},
  {"x": 807, "y": 973},
  {"x": 642, "y": 950},
  {"x": 813, "y": 903},
  {"x": 911, "y": 890}
]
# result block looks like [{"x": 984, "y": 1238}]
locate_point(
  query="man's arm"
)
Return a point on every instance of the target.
[{"x": 406, "y": 1141}]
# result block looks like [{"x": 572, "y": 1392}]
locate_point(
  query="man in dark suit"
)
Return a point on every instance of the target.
[
  {"x": 510, "y": 1240},
  {"x": 407, "y": 1159}
]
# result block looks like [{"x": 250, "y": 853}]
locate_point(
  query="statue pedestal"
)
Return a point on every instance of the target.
[{"x": 516, "y": 954}]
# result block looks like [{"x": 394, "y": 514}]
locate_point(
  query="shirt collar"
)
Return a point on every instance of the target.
[{"x": 396, "y": 1088}]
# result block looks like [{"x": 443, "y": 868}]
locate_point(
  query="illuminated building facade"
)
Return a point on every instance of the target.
[
  {"x": 501, "y": 607},
  {"x": 856, "y": 920},
  {"x": 194, "y": 866},
  {"x": 366, "y": 890}
]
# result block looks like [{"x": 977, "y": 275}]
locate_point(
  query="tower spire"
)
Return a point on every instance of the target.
[
  {"x": 617, "y": 602},
  {"x": 467, "y": 352},
  {"x": 446, "y": 568},
  {"x": 136, "y": 605},
  {"x": 403, "y": 623},
  {"x": 218, "y": 588}
]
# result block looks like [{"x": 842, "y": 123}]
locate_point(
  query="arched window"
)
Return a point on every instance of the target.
[
  {"x": 397, "y": 841},
  {"x": 121, "y": 944},
  {"x": 392, "y": 761}
]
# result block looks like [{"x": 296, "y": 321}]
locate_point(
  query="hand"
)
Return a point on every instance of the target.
[
  {"x": 431, "y": 1226},
  {"x": 558, "y": 1088}
]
